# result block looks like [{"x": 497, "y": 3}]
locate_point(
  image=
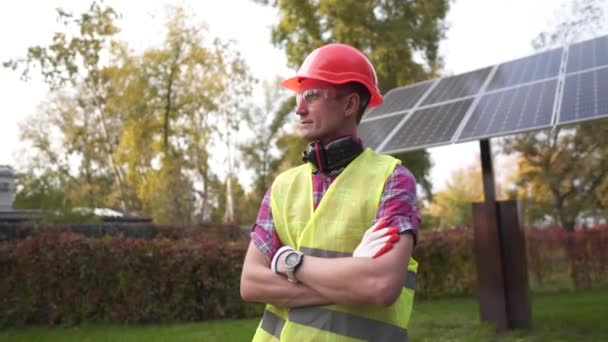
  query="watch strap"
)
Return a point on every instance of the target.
[
  {"x": 290, "y": 271},
  {"x": 277, "y": 255}
]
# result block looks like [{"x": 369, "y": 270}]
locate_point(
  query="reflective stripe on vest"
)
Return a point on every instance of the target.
[
  {"x": 335, "y": 322},
  {"x": 272, "y": 324},
  {"x": 410, "y": 277}
]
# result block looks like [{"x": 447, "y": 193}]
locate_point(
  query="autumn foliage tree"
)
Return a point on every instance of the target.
[{"x": 132, "y": 130}]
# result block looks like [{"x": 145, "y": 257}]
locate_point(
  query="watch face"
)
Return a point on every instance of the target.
[{"x": 291, "y": 259}]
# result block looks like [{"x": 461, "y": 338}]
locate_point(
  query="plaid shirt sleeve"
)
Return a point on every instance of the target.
[
  {"x": 399, "y": 204},
  {"x": 263, "y": 233}
]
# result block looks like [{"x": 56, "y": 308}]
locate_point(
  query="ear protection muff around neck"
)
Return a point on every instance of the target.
[{"x": 337, "y": 154}]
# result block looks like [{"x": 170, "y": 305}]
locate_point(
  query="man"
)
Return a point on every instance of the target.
[{"x": 330, "y": 251}]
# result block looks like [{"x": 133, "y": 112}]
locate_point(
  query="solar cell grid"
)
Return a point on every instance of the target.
[
  {"x": 458, "y": 86},
  {"x": 520, "y": 96},
  {"x": 533, "y": 68},
  {"x": 373, "y": 133},
  {"x": 400, "y": 99},
  {"x": 429, "y": 126},
  {"x": 585, "y": 96},
  {"x": 588, "y": 54},
  {"x": 515, "y": 109}
]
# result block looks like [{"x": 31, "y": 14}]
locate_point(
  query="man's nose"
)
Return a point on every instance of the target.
[{"x": 301, "y": 108}]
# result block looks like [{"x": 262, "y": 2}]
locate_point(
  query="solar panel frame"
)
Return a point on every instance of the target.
[{"x": 560, "y": 85}]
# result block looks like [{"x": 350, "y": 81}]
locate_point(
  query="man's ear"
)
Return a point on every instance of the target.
[{"x": 351, "y": 105}]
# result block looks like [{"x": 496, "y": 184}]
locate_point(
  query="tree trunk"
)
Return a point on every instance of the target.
[
  {"x": 229, "y": 214},
  {"x": 579, "y": 269},
  {"x": 568, "y": 225}
]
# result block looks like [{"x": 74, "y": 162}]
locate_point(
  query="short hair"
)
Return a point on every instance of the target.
[{"x": 359, "y": 89}]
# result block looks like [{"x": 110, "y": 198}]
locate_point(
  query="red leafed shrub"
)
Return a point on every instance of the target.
[
  {"x": 582, "y": 254},
  {"x": 64, "y": 277},
  {"x": 446, "y": 263}
]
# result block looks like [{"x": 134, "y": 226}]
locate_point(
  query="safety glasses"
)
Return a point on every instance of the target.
[{"x": 310, "y": 96}]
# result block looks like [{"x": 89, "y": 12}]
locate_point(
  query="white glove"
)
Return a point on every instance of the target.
[{"x": 376, "y": 241}]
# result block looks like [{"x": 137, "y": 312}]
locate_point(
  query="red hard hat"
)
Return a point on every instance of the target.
[{"x": 338, "y": 64}]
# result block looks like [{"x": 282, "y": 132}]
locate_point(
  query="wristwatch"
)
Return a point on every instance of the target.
[{"x": 293, "y": 260}]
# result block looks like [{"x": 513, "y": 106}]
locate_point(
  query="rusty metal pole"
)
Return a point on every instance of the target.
[
  {"x": 488, "y": 254},
  {"x": 500, "y": 256}
]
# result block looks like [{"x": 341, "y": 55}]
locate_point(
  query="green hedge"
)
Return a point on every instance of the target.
[{"x": 63, "y": 277}]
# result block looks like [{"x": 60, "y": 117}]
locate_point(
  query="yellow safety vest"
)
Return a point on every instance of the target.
[{"x": 333, "y": 230}]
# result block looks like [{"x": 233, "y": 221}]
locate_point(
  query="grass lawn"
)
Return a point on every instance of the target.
[{"x": 566, "y": 316}]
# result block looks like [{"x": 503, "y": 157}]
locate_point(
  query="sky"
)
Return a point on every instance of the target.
[{"x": 481, "y": 33}]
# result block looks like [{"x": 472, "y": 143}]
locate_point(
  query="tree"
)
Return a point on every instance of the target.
[
  {"x": 584, "y": 19},
  {"x": 245, "y": 205},
  {"x": 72, "y": 63},
  {"x": 194, "y": 94},
  {"x": 268, "y": 125},
  {"x": 390, "y": 33},
  {"x": 451, "y": 207},
  {"x": 134, "y": 131},
  {"x": 232, "y": 110},
  {"x": 565, "y": 169}
]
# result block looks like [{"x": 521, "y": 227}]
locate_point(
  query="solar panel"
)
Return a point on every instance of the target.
[
  {"x": 524, "y": 70},
  {"x": 588, "y": 54},
  {"x": 585, "y": 96},
  {"x": 513, "y": 110},
  {"x": 400, "y": 99},
  {"x": 512, "y": 97},
  {"x": 429, "y": 126},
  {"x": 373, "y": 132},
  {"x": 458, "y": 86}
]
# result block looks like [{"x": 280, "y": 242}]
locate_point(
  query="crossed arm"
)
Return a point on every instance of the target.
[{"x": 323, "y": 281}]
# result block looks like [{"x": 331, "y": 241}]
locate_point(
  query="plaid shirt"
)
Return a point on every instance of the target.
[{"x": 398, "y": 204}]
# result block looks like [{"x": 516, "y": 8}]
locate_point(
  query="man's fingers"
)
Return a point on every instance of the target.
[
  {"x": 393, "y": 238},
  {"x": 387, "y": 247},
  {"x": 382, "y": 240},
  {"x": 381, "y": 224},
  {"x": 382, "y": 232},
  {"x": 391, "y": 231}
]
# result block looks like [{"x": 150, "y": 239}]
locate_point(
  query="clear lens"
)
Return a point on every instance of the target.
[{"x": 310, "y": 95}]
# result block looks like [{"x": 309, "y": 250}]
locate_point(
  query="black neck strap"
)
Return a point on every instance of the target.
[{"x": 335, "y": 155}]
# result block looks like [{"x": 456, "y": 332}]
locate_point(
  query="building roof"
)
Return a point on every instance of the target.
[{"x": 6, "y": 172}]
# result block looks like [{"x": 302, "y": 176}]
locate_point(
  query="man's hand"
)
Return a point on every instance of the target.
[{"x": 376, "y": 241}]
